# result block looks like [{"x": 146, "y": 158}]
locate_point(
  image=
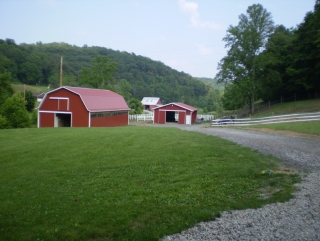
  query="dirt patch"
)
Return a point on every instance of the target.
[
  {"x": 286, "y": 170},
  {"x": 283, "y": 132}
]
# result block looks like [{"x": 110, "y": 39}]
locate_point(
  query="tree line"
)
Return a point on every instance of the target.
[
  {"x": 132, "y": 75},
  {"x": 266, "y": 62}
]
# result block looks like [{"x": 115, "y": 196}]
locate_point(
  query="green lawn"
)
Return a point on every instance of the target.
[
  {"x": 312, "y": 127},
  {"x": 126, "y": 183}
]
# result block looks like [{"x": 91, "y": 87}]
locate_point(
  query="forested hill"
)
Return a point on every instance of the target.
[
  {"x": 213, "y": 82},
  {"x": 38, "y": 64}
]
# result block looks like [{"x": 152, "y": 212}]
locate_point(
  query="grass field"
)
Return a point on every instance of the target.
[
  {"x": 312, "y": 127},
  {"x": 127, "y": 183},
  {"x": 32, "y": 88},
  {"x": 304, "y": 106}
]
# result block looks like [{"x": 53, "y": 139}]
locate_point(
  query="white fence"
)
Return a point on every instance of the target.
[
  {"x": 142, "y": 117},
  {"x": 146, "y": 117},
  {"x": 268, "y": 120},
  {"x": 205, "y": 117}
]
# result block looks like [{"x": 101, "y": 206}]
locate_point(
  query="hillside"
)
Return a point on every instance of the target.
[
  {"x": 213, "y": 82},
  {"x": 38, "y": 64},
  {"x": 303, "y": 106}
]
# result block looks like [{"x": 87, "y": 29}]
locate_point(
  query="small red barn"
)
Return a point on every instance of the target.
[
  {"x": 166, "y": 113},
  {"x": 82, "y": 107}
]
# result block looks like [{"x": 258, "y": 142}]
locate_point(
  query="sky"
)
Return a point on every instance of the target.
[{"x": 183, "y": 34}]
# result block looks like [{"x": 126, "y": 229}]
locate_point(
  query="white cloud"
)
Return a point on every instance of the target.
[
  {"x": 191, "y": 9},
  {"x": 203, "y": 49}
]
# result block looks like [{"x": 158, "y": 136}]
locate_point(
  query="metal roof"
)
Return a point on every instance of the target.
[
  {"x": 150, "y": 100},
  {"x": 96, "y": 100},
  {"x": 180, "y": 104}
]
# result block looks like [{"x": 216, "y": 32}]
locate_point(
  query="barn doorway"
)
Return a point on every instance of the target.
[
  {"x": 170, "y": 116},
  {"x": 62, "y": 120}
]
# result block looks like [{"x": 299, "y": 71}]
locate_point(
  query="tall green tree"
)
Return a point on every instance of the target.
[
  {"x": 245, "y": 42},
  {"x": 30, "y": 100},
  {"x": 15, "y": 112},
  {"x": 274, "y": 63},
  {"x": 233, "y": 97},
  {"x": 305, "y": 69},
  {"x": 6, "y": 89},
  {"x": 124, "y": 88},
  {"x": 100, "y": 74}
]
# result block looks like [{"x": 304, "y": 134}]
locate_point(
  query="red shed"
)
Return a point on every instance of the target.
[
  {"x": 82, "y": 107},
  {"x": 186, "y": 114}
]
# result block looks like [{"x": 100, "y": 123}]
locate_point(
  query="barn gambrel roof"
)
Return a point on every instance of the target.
[
  {"x": 179, "y": 104},
  {"x": 96, "y": 100}
]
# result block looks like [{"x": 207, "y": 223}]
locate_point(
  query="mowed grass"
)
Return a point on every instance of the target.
[
  {"x": 126, "y": 183},
  {"x": 312, "y": 127}
]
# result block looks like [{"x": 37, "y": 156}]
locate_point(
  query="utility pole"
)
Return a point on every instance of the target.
[{"x": 61, "y": 72}]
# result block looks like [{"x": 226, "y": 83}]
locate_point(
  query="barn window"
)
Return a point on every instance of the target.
[{"x": 108, "y": 113}]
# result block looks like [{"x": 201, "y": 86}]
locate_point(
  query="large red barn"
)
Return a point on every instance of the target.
[
  {"x": 166, "y": 113},
  {"x": 82, "y": 107}
]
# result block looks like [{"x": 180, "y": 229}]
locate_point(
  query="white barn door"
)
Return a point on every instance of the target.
[{"x": 188, "y": 119}]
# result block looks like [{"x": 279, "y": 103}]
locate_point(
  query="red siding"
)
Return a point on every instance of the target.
[
  {"x": 182, "y": 118},
  {"x": 80, "y": 116},
  {"x": 110, "y": 121},
  {"x": 162, "y": 117},
  {"x": 160, "y": 113},
  {"x": 63, "y": 105},
  {"x": 193, "y": 117},
  {"x": 46, "y": 119},
  {"x": 65, "y": 101}
]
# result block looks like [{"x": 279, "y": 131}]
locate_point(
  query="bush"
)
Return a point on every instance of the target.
[
  {"x": 3, "y": 122},
  {"x": 34, "y": 117},
  {"x": 15, "y": 112},
  {"x": 136, "y": 106}
]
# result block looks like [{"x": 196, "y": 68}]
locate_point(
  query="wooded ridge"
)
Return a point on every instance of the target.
[{"x": 39, "y": 64}]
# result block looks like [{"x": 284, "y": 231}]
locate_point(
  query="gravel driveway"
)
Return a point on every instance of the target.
[{"x": 297, "y": 219}]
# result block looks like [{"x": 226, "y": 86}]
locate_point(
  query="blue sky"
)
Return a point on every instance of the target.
[{"x": 183, "y": 34}]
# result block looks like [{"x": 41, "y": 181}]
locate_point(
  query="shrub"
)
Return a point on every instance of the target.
[
  {"x": 3, "y": 122},
  {"x": 15, "y": 112}
]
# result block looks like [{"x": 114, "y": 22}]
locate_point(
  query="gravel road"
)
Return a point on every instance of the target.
[{"x": 297, "y": 219}]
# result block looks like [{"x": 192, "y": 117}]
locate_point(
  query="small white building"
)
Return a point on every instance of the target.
[{"x": 151, "y": 102}]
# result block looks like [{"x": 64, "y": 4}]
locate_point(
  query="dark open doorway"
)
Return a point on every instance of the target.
[
  {"x": 64, "y": 120},
  {"x": 170, "y": 116}
]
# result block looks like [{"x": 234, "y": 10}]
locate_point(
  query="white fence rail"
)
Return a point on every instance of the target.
[
  {"x": 146, "y": 117},
  {"x": 268, "y": 120},
  {"x": 142, "y": 117},
  {"x": 205, "y": 117}
]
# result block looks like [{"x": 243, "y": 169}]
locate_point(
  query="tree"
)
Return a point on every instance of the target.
[
  {"x": 3, "y": 122},
  {"x": 274, "y": 63},
  {"x": 5, "y": 87},
  {"x": 124, "y": 88},
  {"x": 136, "y": 106},
  {"x": 305, "y": 69},
  {"x": 15, "y": 112},
  {"x": 30, "y": 101},
  {"x": 233, "y": 98},
  {"x": 245, "y": 42},
  {"x": 100, "y": 74}
]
